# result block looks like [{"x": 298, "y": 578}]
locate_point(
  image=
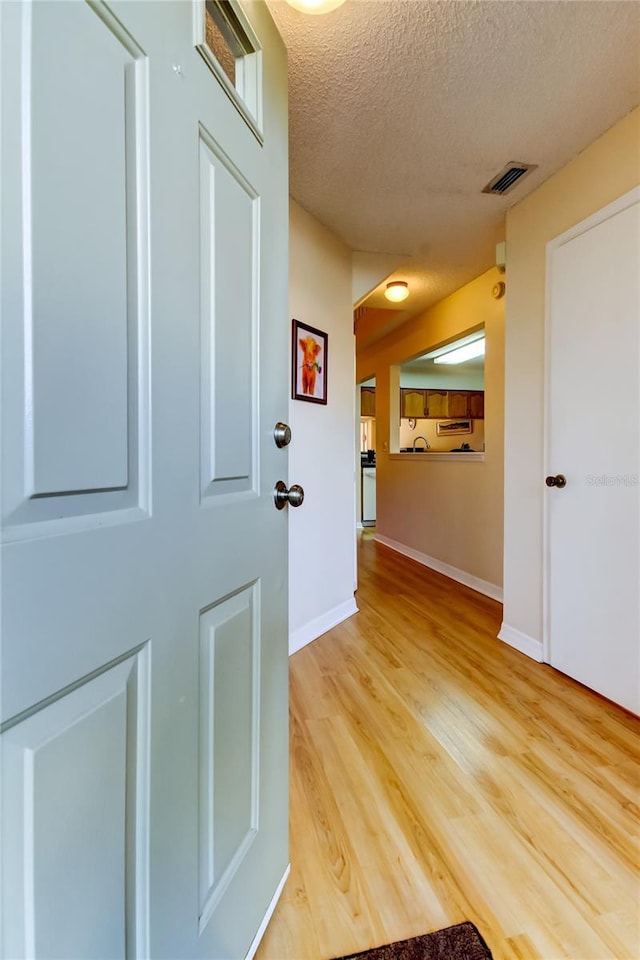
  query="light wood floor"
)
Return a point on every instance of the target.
[{"x": 438, "y": 776}]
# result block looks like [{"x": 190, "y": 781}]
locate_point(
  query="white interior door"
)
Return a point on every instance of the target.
[
  {"x": 144, "y": 567},
  {"x": 593, "y": 523}
]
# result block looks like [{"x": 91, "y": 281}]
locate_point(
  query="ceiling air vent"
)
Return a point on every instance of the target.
[{"x": 508, "y": 177}]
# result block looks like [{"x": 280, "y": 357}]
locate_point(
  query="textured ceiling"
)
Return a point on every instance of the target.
[{"x": 402, "y": 111}]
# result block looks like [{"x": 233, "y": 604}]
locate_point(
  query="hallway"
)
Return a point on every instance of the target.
[{"x": 437, "y": 776}]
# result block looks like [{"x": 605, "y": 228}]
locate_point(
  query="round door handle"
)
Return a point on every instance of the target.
[
  {"x": 559, "y": 481},
  {"x": 293, "y": 496}
]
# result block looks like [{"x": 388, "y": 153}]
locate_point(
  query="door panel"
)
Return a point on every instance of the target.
[
  {"x": 148, "y": 369},
  {"x": 74, "y": 319},
  {"x": 229, "y": 769},
  {"x": 593, "y": 402},
  {"x": 230, "y": 224},
  {"x": 75, "y": 782},
  {"x": 78, "y": 121}
]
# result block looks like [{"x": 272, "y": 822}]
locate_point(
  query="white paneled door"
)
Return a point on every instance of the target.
[
  {"x": 593, "y": 519},
  {"x": 144, "y": 567}
]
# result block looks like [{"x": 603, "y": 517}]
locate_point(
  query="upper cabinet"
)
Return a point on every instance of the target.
[
  {"x": 413, "y": 403},
  {"x": 441, "y": 404},
  {"x": 367, "y": 401},
  {"x": 458, "y": 403},
  {"x": 437, "y": 403},
  {"x": 476, "y": 404}
]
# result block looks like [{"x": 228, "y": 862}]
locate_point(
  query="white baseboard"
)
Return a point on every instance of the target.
[
  {"x": 522, "y": 642},
  {"x": 315, "y": 628},
  {"x": 265, "y": 921},
  {"x": 460, "y": 576}
]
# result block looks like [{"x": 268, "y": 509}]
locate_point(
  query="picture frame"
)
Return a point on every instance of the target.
[
  {"x": 309, "y": 347},
  {"x": 445, "y": 428}
]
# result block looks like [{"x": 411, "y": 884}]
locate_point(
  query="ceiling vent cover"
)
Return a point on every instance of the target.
[{"x": 508, "y": 177}]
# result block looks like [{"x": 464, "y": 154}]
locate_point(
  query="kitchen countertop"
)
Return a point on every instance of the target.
[{"x": 428, "y": 455}]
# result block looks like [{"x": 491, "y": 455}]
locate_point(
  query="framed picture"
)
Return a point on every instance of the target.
[
  {"x": 445, "y": 427},
  {"x": 308, "y": 363}
]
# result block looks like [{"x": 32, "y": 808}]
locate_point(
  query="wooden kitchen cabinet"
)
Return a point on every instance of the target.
[
  {"x": 413, "y": 403},
  {"x": 476, "y": 404},
  {"x": 441, "y": 404},
  {"x": 458, "y": 404},
  {"x": 437, "y": 403},
  {"x": 367, "y": 401}
]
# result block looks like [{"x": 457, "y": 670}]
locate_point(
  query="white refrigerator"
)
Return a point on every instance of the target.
[{"x": 368, "y": 496}]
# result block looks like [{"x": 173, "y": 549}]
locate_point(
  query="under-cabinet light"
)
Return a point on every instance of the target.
[{"x": 468, "y": 352}]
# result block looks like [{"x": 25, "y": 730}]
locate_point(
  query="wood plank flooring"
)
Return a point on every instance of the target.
[{"x": 438, "y": 776}]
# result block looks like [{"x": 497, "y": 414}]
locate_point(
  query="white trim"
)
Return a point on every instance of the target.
[
  {"x": 140, "y": 894},
  {"x": 610, "y": 210},
  {"x": 523, "y": 642},
  {"x": 605, "y": 213},
  {"x": 491, "y": 590},
  {"x": 267, "y": 917},
  {"x": 315, "y": 628}
]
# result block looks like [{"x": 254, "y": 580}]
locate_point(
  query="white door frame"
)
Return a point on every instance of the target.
[{"x": 611, "y": 209}]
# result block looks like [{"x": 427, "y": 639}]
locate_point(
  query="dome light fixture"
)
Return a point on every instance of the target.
[
  {"x": 315, "y": 6},
  {"x": 397, "y": 290}
]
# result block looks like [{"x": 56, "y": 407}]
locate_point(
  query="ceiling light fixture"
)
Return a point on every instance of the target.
[
  {"x": 315, "y": 6},
  {"x": 468, "y": 352},
  {"x": 397, "y": 290}
]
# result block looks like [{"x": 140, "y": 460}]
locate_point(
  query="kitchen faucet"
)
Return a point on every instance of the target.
[{"x": 427, "y": 445}]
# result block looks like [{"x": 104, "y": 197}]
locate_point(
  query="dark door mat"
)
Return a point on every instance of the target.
[{"x": 460, "y": 942}]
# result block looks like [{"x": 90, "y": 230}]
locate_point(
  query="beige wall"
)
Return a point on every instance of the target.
[
  {"x": 452, "y": 377},
  {"x": 607, "y": 169},
  {"x": 452, "y": 512},
  {"x": 322, "y": 451},
  {"x": 427, "y": 429}
]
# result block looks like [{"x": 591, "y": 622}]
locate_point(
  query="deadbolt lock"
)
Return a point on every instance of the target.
[{"x": 282, "y": 434}]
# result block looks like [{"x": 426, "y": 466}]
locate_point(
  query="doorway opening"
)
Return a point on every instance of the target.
[
  {"x": 366, "y": 467},
  {"x": 441, "y": 399}
]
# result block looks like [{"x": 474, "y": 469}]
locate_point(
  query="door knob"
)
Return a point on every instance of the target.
[
  {"x": 294, "y": 495},
  {"x": 558, "y": 481}
]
